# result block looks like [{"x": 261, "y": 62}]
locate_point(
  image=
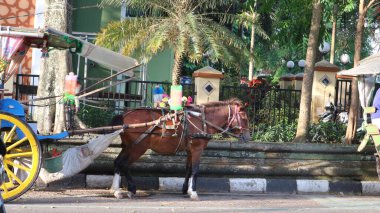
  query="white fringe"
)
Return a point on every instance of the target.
[{"x": 78, "y": 158}]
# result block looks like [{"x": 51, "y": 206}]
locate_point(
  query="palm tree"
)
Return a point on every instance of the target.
[
  {"x": 250, "y": 19},
  {"x": 189, "y": 27}
]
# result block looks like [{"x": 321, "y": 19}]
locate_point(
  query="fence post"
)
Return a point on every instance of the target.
[
  {"x": 286, "y": 81},
  {"x": 297, "y": 81},
  {"x": 207, "y": 85},
  {"x": 323, "y": 92}
]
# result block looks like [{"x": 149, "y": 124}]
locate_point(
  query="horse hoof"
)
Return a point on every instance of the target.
[
  {"x": 130, "y": 195},
  {"x": 194, "y": 197},
  {"x": 118, "y": 194},
  {"x": 112, "y": 190}
]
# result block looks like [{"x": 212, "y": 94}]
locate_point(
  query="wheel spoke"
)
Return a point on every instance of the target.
[
  {"x": 4, "y": 188},
  {"x": 10, "y": 134},
  {"x": 24, "y": 154},
  {"x": 17, "y": 143},
  {"x": 19, "y": 166},
  {"x": 12, "y": 175}
]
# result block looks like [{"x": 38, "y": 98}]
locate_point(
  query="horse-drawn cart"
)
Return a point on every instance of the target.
[
  {"x": 23, "y": 159},
  {"x": 161, "y": 130}
]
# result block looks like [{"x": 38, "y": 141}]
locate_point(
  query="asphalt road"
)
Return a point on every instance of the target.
[{"x": 94, "y": 201}]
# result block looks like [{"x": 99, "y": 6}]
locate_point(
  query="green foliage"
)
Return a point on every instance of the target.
[
  {"x": 276, "y": 115},
  {"x": 192, "y": 28},
  {"x": 280, "y": 106},
  {"x": 327, "y": 132},
  {"x": 276, "y": 133},
  {"x": 95, "y": 117}
]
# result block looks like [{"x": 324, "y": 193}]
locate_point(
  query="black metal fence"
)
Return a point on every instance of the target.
[
  {"x": 343, "y": 95},
  {"x": 266, "y": 105},
  {"x": 116, "y": 97}
]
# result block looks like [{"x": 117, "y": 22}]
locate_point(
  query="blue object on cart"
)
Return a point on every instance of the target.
[
  {"x": 13, "y": 107},
  {"x": 46, "y": 137},
  {"x": 53, "y": 137}
]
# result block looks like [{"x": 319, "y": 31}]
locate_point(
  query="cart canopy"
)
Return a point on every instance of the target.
[
  {"x": 50, "y": 38},
  {"x": 367, "y": 66}
]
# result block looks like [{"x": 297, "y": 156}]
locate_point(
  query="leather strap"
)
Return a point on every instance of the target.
[{"x": 145, "y": 134}]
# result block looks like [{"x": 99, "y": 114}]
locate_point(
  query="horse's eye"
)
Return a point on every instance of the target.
[{"x": 243, "y": 115}]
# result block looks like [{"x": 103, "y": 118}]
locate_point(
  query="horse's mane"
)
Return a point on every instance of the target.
[
  {"x": 232, "y": 101},
  {"x": 216, "y": 104}
]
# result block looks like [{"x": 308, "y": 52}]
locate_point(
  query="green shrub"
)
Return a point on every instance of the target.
[
  {"x": 95, "y": 117},
  {"x": 327, "y": 132},
  {"x": 276, "y": 133}
]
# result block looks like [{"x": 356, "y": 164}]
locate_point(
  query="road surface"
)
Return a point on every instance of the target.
[{"x": 94, "y": 201}]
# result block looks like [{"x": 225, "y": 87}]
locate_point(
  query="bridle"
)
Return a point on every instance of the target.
[
  {"x": 235, "y": 116},
  {"x": 232, "y": 116}
]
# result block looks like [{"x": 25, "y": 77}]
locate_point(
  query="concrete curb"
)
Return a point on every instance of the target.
[{"x": 231, "y": 185}]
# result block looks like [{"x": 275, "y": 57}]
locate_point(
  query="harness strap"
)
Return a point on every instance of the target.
[
  {"x": 184, "y": 131},
  {"x": 218, "y": 128},
  {"x": 145, "y": 134},
  {"x": 164, "y": 124},
  {"x": 203, "y": 118}
]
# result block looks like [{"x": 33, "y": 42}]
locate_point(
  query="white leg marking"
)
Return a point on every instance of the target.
[
  {"x": 116, "y": 182},
  {"x": 193, "y": 194},
  {"x": 190, "y": 187}
]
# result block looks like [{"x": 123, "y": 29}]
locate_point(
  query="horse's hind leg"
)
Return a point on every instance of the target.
[
  {"x": 122, "y": 168},
  {"x": 115, "y": 188},
  {"x": 130, "y": 182},
  {"x": 188, "y": 174},
  {"x": 122, "y": 162}
]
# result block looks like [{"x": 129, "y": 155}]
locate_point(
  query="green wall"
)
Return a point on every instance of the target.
[
  {"x": 89, "y": 18},
  {"x": 159, "y": 67}
]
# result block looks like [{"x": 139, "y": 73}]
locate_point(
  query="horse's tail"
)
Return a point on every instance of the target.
[{"x": 117, "y": 120}]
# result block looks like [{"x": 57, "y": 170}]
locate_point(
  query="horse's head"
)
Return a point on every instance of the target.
[{"x": 238, "y": 123}]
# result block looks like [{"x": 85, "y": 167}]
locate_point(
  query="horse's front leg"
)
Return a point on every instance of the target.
[
  {"x": 188, "y": 173},
  {"x": 192, "y": 189},
  {"x": 196, "y": 149}
]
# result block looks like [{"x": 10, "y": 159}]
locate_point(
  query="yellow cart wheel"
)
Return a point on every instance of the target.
[{"x": 23, "y": 159}]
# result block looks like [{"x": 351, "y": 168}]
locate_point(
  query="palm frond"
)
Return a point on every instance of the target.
[{"x": 187, "y": 26}]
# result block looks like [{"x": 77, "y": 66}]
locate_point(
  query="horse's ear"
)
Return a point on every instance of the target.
[{"x": 243, "y": 106}]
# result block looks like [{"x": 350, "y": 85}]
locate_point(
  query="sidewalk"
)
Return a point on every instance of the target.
[{"x": 229, "y": 185}]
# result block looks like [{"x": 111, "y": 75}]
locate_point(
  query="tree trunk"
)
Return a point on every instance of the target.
[
  {"x": 307, "y": 84},
  {"x": 354, "y": 106},
  {"x": 251, "y": 50},
  {"x": 50, "y": 118},
  {"x": 177, "y": 67},
  {"x": 333, "y": 34}
]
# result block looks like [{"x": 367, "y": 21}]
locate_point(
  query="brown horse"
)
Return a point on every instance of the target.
[{"x": 188, "y": 130}]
